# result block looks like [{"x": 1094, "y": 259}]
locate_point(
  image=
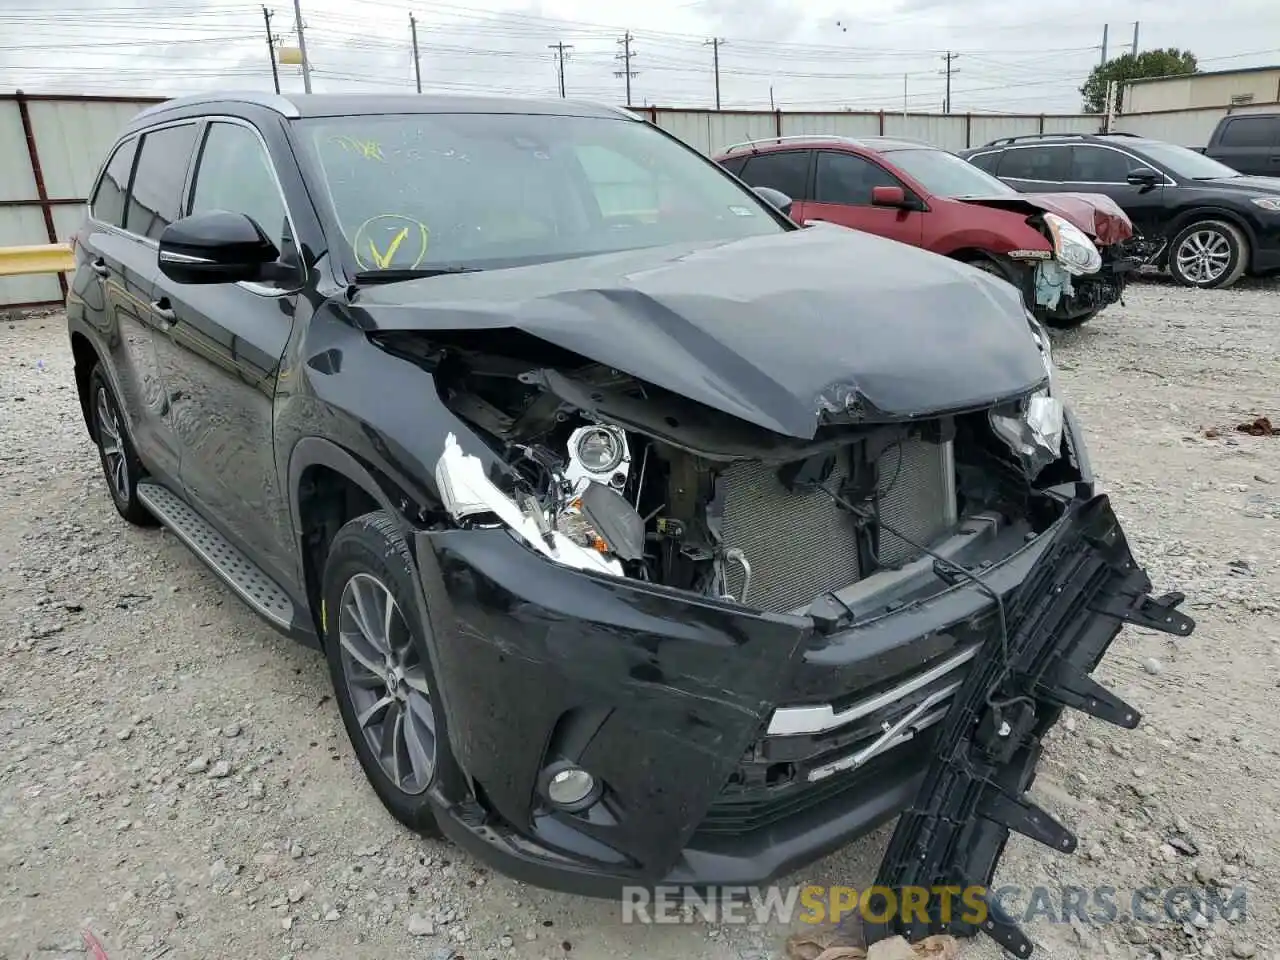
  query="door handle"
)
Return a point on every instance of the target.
[
  {"x": 100, "y": 267},
  {"x": 163, "y": 309}
]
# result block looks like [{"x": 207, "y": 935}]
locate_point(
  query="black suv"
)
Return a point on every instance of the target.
[
  {"x": 646, "y": 534},
  {"x": 1203, "y": 221}
]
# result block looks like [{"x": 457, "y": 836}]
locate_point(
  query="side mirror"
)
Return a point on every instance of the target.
[
  {"x": 889, "y": 197},
  {"x": 217, "y": 247},
  {"x": 1143, "y": 177},
  {"x": 775, "y": 198}
]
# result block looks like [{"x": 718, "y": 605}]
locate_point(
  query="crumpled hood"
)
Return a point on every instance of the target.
[
  {"x": 782, "y": 330},
  {"x": 1095, "y": 213}
]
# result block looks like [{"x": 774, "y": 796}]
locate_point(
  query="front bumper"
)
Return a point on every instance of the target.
[{"x": 734, "y": 747}]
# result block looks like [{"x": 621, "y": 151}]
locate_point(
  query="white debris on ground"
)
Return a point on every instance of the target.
[{"x": 174, "y": 777}]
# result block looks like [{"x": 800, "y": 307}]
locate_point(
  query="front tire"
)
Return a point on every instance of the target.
[
  {"x": 1208, "y": 254},
  {"x": 120, "y": 465},
  {"x": 1059, "y": 322},
  {"x": 376, "y": 646}
]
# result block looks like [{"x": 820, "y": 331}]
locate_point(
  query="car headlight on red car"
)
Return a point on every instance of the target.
[{"x": 1072, "y": 247}]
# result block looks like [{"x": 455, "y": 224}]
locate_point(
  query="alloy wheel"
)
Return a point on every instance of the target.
[
  {"x": 110, "y": 440},
  {"x": 1204, "y": 256},
  {"x": 386, "y": 683}
]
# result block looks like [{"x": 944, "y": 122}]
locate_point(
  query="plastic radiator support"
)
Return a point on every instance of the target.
[{"x": 1085, "y": 586}]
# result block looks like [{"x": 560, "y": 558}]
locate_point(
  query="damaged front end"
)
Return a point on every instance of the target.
[
  {"x": 1084, "y": 271},
  {"x": 678, "y": 647}
]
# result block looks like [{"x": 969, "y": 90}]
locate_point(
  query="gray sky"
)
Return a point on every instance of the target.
[{"x": 820, "y": 54}]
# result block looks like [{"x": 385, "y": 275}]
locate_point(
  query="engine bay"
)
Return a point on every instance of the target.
[{"x": 611, "y": 474}]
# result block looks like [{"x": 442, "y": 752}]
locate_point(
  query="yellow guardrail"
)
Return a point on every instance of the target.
[{"x": 44, "y": 258}]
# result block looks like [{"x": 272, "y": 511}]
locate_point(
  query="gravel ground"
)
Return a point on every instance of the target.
[{"x": 174, "y": 776}]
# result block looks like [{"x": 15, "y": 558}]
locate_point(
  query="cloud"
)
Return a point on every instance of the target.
[{"x": 1011, "y": 59}]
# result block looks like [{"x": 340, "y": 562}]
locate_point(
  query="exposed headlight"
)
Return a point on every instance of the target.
[
  {"x": 1266, "y": 203},
  {"x": 1072, "y": 246},
  {"x": 599, "y": 449},
  {"x": 1032, "y": 427}
]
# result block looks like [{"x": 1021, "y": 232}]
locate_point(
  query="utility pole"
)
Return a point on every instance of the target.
[
  {"x": 271, "y": 47},
  {"x": 560, "y": 49},
  {"x": 715, "y": 60},
  {"x": 1103, "y": 61},
  {"x": 625, "y": 56},
  {"x": 302, "y": 47},
  {"x": 417, "y": 66},
  {"x": 948, "y": 57},
  {"x": 1135, "y": 38},
  {"x": 904, "y": 95}
]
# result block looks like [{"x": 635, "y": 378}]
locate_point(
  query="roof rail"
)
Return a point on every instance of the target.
[
  {"x": 798, "y": 136},
  {"x": 1000, "y": 141},
  {"x": 272, "y": 101}
]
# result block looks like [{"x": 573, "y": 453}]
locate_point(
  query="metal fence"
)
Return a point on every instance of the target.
[{"x": 51, "y": 146}]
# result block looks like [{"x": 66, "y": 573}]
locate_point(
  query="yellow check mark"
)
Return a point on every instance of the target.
[{"x": 383, "y": 260}]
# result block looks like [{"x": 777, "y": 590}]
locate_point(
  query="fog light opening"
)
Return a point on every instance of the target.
[{"x": 568, "y": 787}]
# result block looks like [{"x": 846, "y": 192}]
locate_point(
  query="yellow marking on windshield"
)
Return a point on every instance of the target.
[
  {"x": 383, "y": 260},
  {"x": 369, "y": 149}
]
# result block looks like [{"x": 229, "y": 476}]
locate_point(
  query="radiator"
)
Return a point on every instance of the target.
[{"x": 802, "y": 545}]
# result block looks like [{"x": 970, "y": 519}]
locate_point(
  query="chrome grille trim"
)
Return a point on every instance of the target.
[
  {"x": 906, "y": 732},
  {"x": 790, "y": 721}
]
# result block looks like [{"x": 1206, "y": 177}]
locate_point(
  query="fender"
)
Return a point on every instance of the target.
[
  {"x": 316, "y": 451},
  {"x": 1200, "y": 211}
]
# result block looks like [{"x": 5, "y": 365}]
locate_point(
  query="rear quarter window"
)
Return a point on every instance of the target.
[
  {"x": 1251, "y": 132},
  {"x": 108, "y": 200},
  {"x": 733, "y": 164},
  {"x": 986, "y": 161}
]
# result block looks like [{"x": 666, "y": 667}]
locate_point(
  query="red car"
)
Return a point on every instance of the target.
[{"x": 1064, "y": 251}]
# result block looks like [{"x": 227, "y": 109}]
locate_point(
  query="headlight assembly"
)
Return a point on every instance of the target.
[
  {"x": 1032, "y": 427},
  {"x": 1072, "y": 246}
]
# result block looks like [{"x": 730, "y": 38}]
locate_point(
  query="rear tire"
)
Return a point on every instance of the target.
[
  {"x": 1208, "y": 254},
  {"x": 120, "y": 465},
  {"x": 376, "y": 646}
]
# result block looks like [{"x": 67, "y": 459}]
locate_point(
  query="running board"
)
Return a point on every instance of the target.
[
  {"x": 1060, "y": 623},
  {"x": 241, "y": 574}
]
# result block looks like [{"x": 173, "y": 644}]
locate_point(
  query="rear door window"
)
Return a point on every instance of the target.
[
  {"x": 156, "y": 198},
  {"x": 1090, "y": 164},
  {"x": 785, "y": 170},
  {"x": 107, "y": 205},
  {"x": 1050, "y": 164},
  {"x": 849, "y": 179}
]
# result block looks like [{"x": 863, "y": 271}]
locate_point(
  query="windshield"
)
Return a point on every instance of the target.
[
  {"x": 1187, "y": 163},
  {"x": 946, "y": 175},
  {"x": 424, "y": 191}
]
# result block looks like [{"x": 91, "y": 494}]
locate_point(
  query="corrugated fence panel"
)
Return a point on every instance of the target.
[
  {"x": 831, "y": 124},
  {"x": 1187, "y": 128},
  {"x": 937, "y": 129},
  {"x": 1083, "y": 123},
  {"x": 20, "y": 227},
  {"x": 73, "y": 137},
  {"x": 16, "y": 181},
  {"x": 708, "y": 131},
  {"x": 983, "y": 128}
]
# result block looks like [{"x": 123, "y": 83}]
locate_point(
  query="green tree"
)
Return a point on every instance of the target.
[{"x": 1149, "y": 63}]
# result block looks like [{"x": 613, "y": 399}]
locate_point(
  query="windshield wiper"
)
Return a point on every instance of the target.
[{"x": 414, "y": 273}]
